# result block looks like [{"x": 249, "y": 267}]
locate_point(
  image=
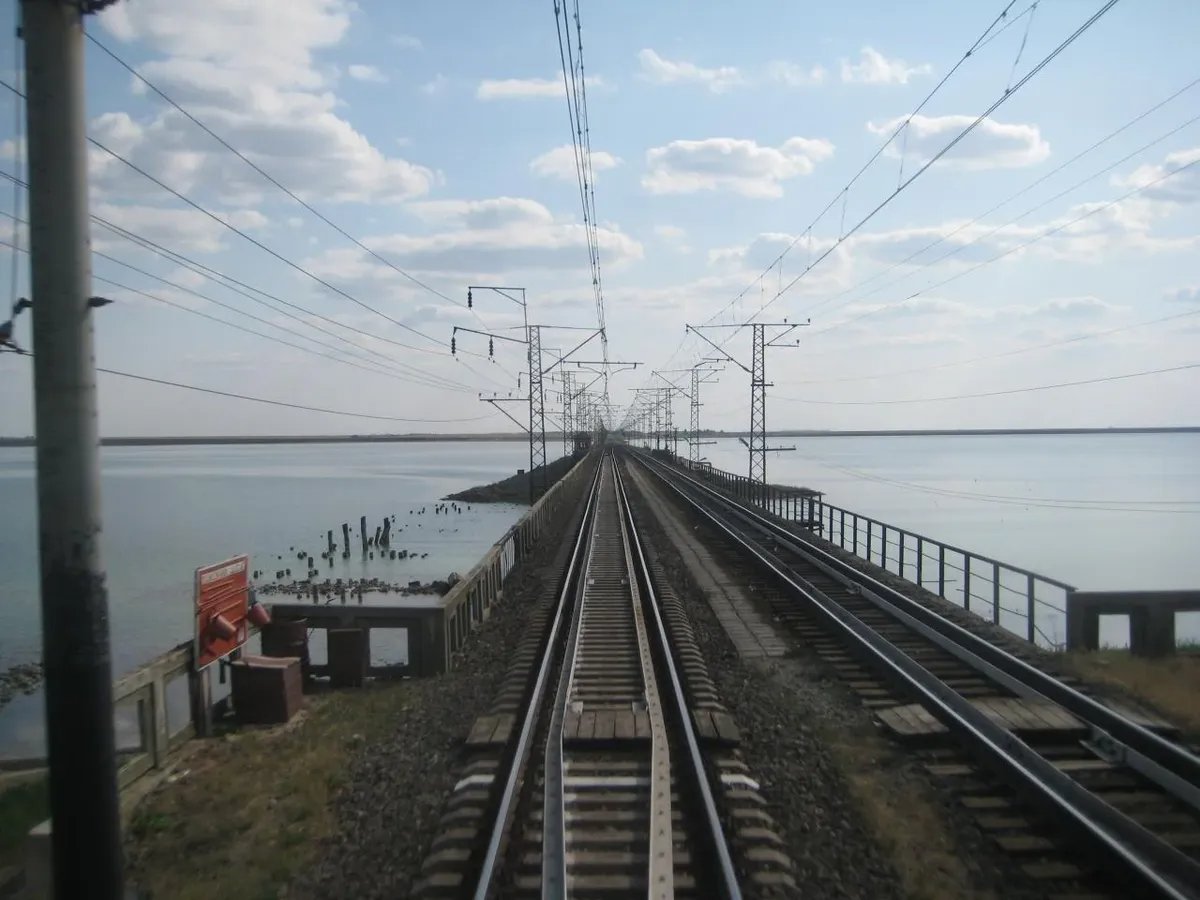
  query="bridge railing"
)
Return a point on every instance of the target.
[{"x": 1026, "y": 603}]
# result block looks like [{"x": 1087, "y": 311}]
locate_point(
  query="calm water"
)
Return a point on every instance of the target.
[
  {"x": 1102, "y": 512},
  {"x": 168, "y": 510}
]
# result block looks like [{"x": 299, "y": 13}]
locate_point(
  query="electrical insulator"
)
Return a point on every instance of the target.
[
  {"x": 469, "y": 300},
  {"x": 491, "y": 348},
  {"x": 453, "y": 346}
]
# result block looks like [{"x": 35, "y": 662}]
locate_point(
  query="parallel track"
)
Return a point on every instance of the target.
[
  {"x": 928, "y": 658},
  {"x": 606, "y": 793}
]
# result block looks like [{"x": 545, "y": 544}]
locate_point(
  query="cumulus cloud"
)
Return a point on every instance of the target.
[
  {"x": 1189, "y": 295},
  {"x": 794, "y": 75},
  {"x": 365, "y": 73},
  {"x": 185, "y": 230},
  {"x": 875, "y": 68},
  {"x": 1177, "y": 177},
  {"x": 470, "y": 238},
  {"x": 560, "y": 163},
  {"x": 407, "y": 42},
  {"x": 434, "y": 86},
  {"x": 992, "y": 145},
  {"x": 674, "y": 236},
  {"x": 260, "y": 87},
  {"x": 665, "y": 71},
  {"x": 526, "y": 88},
  {"x": 730, "y": 164}
]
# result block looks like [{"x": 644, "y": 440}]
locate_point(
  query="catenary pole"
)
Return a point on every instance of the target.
[{"x": 86, "y": 842}]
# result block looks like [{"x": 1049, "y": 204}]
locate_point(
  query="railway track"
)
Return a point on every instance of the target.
[
  {"x": 1123, "y": 796},
  {"x": 605, "y": 791}
]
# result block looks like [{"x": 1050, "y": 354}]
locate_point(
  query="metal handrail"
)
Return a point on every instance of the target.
[{"x": 1143, "y": 853}]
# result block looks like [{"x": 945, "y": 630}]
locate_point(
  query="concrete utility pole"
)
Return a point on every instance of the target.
[{"x": 75, "y": 641}]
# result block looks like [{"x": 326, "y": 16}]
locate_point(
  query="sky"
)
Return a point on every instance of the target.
[{"x": 1038, "y": 250}]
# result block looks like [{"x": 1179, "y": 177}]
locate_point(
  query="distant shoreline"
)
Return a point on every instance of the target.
[{"x": 552, "y": 437}]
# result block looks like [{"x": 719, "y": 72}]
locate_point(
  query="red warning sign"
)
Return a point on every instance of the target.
[{"x": 222, "y": 601}]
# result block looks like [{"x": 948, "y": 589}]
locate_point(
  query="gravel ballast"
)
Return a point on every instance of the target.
[
  {"x": 389, "y": 808},
  {"x": 860, "y": 817}
]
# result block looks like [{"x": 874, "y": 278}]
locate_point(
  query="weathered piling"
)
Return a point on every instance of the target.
[
  {"x": 329, "y": 541},
  {"x": 362, "y": 530},
  {"x": 345, "y": 540}
]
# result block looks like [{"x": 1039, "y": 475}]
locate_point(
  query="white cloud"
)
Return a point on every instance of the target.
[
  {"x": 435, "y": 85},
  {"x": 665, "y": 71},
  {"x": 407, "y": 42},
  {"x": 992, "y": 145},
  {"x": 257, "y": 85},
  {"x": 1072, "y": 308},
  {"x": 674, "y": 236},
  {"x": 1184, "y": 295},
  {"x": 738, "y": 165},
  {"x": 479, "y": 237},
  {"x": 526, "y": 88},
  {"x": 1181, "y": 170},
  {"x": 184, "y": 230},
  {"x": 875, "y": 68},
  {"x": 365, "y": 73},
  {"x": 560, "y": 163},
  {"x": 794, "y": 75}
]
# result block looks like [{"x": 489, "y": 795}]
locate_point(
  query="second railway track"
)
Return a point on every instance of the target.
[{"x": 1126, "y": 797}]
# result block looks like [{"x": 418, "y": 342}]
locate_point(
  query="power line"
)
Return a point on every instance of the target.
[
  {"x": 269, "y": 402},
  {"x": 257, "y": 243},
  {"x": 405, "y": 372},
  {"x": 1029, "y": 349},
  {"x": 1074, "y": 159},
  {"x": 1023, "y": 390},
  {"x": 841, "y": 194},
  {"x": 1008, "y": 93},
  {"x": 274, "y": 181},
  {"x": 575, "y": 87},
  {"x": 1049, "y": 232}
]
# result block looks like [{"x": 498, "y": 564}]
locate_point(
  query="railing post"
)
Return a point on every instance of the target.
[
  {"x": 1030, "y": 608},
  {"x": 868, "y": 540},
  {"x": 920, "y": 562},
  {"x": 883, "y": 546},
  {"x": 942, "y": 571},
  {"x": 841, "y": 527},
  {"x": 967, "y": 581},
  {"x": 901, "y": 554},
  {"x": 995, "y": 593},
  {"x": 855, "y": 533}
]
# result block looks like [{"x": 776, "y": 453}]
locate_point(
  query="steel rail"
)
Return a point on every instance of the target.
[
  {"x": 714, "y": 830},
  {"x": 1167, "y": 764},
  {"x": 508, "y": 799},
  {"x": 1141, "y": 855}
]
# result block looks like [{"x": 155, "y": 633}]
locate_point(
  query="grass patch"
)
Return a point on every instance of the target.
[
  {"x": 21, "y": 807},
  {"x": 1169, "y": 684},
  {"x": 904, "y": 821},
  {"x": 251, "y": 812}
]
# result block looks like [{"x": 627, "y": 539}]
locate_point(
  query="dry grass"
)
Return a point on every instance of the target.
[
  {"x": 906, "y": 823},
  {"x": 1171, "y": 684},
  {"x": 251, "y": 810}
]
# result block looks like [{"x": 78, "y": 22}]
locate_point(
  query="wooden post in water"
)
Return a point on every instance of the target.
[
  {"x": 345, "y": 540},
  {"x": 329, "y": 541},
  {"x": 362, "y": 530}
]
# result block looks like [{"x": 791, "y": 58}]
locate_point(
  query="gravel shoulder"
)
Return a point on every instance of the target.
[{"x": 859, "y": 816}]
